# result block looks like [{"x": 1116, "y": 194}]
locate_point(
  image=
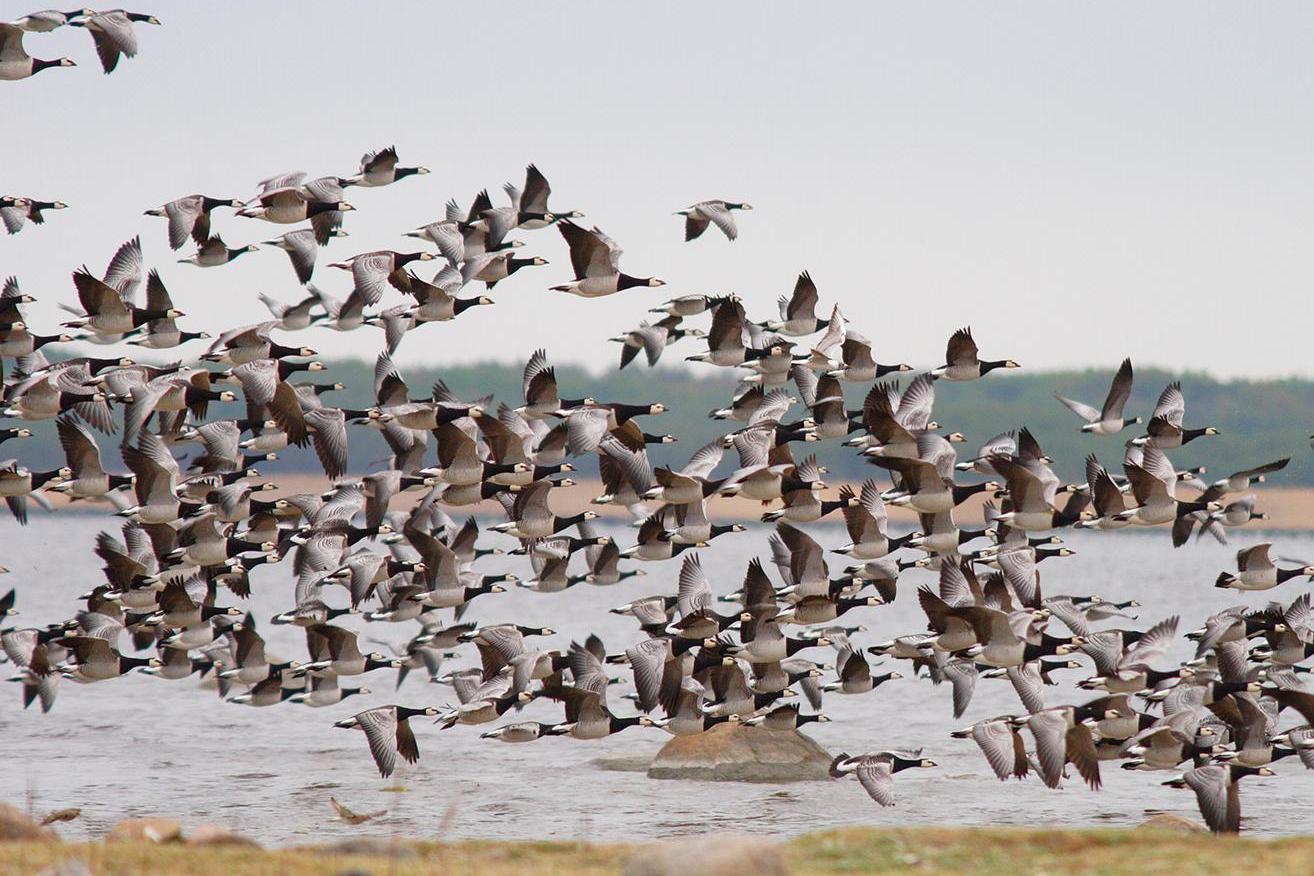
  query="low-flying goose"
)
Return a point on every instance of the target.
[
  {"x": 113, "y": 33},
  {"x": 1216, "y": 792},
  {"x": 875, "y": 772},
  {"x": 962, "y": 361},
  {"x": 1001, "y": 742},
  {"x": 595, "y": 258},
  {"x": 929, "y": 492},
  {"x": 1108, "y": 420},
  {"x": 1154, "y": 488},
  {"x": 521, "y": 731},
  {"x": 190, "y": 217},
  {"x": 530, "y": 516},
  {"x": 698, "y": 216},
  {"x": 388, "y": 731},
  {"x": 1242, "y": 480},
  {"x": 93, "y": 659},
  {"x": 1256, "y": 571},
  {"x": 1062, "y": 737},
  {"x": 785, "y": 717},
  {"x": 866, "y": 522},
  {"x": 380, "y": 169},
  {"x": 16, "y": 63}
]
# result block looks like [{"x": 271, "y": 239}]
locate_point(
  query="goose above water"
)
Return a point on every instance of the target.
[
  {"x": 1256, "y": 571},
  {"x": 875, "y": 772},
  {"x": 1165, "y": 430},
  {"x": 388, "y": 731}
]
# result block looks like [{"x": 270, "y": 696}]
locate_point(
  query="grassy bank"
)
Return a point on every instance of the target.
[{"x": 941, "y": 851}]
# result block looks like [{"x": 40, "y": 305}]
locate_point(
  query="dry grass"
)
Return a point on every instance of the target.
[{"x": 939, "y": 851}]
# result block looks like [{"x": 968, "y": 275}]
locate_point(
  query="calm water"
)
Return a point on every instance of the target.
[{"x": 139, "y": 745}]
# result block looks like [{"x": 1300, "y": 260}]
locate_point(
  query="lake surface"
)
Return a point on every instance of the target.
[{"x": 140, "y": 745}]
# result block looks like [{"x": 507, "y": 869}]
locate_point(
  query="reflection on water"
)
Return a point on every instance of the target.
[{"x": 139, "y": 745}]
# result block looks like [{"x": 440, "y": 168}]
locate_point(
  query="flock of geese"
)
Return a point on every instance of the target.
[
  {"x": 111, "y": 30},
  {"x": 382, "y": 547}
]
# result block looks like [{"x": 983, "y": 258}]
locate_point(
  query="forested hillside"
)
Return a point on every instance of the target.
[{"x": 1260, "y": 420}]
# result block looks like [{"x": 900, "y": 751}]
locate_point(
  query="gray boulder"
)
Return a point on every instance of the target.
[{"x": 732, "y": 753}]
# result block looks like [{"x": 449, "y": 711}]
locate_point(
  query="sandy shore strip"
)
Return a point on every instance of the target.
[
  {"x": 1288, "y": 508},
  {"x": 1165, "y": 846}
]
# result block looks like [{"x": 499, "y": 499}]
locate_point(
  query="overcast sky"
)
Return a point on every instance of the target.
[{"x": 1078, "y": 181}]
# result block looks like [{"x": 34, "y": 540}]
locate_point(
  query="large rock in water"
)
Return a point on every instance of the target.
[{"x": 734, "y": 753}]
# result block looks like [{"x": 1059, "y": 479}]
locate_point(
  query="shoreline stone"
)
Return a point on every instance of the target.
[
  {"x": 729, "y": 753},
  {"x": 146, "y": 830},
  {"x": 724, "y": 854},
  {"x": 17, "y": 825},
  {"x": 218, "y": 835},
  {"x": 1168, "y": 821}
]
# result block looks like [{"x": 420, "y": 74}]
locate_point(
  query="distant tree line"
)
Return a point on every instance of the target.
[{"x": 1260, "y": 420}]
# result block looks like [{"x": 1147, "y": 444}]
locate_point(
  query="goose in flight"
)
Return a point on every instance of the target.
[
  {"x": 1165, "y": 430},
  {"x": 380, "y": 169},
  {"x": 531, "y": 202},
  {"x": 15, "y": 62},
  {"x": 875, "y": 772},
  {"x": 14, "y": 212},
  {"x": 190, "y": 217},
  {"x": 113, "y": 33},
  {"x": 962, "y": 361},
  {"x": 698, "y": 216},
  {"x": 595, "y": 258},
  {"x": 1108, "y": 420}
]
